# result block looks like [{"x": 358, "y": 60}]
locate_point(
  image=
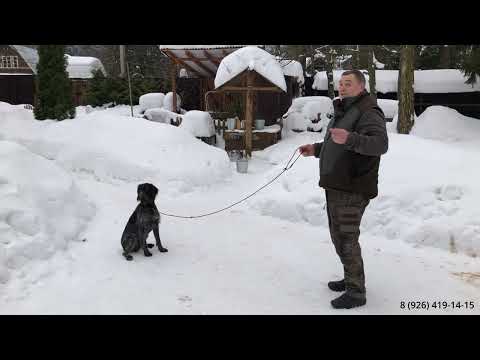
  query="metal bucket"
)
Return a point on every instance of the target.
[
  {"x": 231, "y": 124},
  {"x": 242, "y": 166},
  {"x": 259, "y": 124},
  {"x": 234, "y": 155}
]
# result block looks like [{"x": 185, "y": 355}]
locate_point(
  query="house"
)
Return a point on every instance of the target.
[{"x": 18, "y": 69}]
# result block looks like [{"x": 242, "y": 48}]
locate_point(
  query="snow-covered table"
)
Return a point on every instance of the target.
[{"x": 261, "y": 139}]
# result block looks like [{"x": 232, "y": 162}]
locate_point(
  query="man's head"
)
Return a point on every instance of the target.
[{"x": 352, "y": 83}]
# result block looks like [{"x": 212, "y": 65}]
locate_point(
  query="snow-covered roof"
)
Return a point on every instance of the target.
[
  {"x": 425, "y": 81},
  {"x": 81, "y": 67},
  {"x": 199, "y": 47},
  {"x": 251, "y": 58},
  {"x": 293, "y": 68},
  {"x": 29, "y": 55},
  {"x": 200, "y": 60},
  {"x": 78, "y": 67}
]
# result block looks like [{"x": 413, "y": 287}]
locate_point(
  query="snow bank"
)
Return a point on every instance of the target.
[
  {"x": 446, "y": 124},
  {"x": 151, "y": 101},
  {"x": 110, "y": 146},
  {"x": 426, "y": 81},
  {"x": 304, "y": 110},
  {"x": 168, "y": 102},
  {"x": 41, "y": 209},
  {"x": 428, "y": 197},
  {"x": 251, "y": 58},
  {"x": 198, "y": 123},
  {"x": 82, "y": 67}
]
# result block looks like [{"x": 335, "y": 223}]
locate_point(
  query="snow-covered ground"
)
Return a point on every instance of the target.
[{"x": 67, "y": 190}]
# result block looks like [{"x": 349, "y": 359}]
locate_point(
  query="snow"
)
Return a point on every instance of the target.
[
  {"x": 389, "y": 107},
  {"x": 161, "y": 115},
  {"x": 41, "y": 209},
  {"x": 304, "y": 110},
  {"x": 168, "y": 102},
  {"x": 82, "y": 67},
  {"x": 150, "y": 101},
  {"x": 293, "y": 68},
  {"x": 198, "y": 123},
  {"x": 426, "y": 81},
  {"x": 78, "y": 67},
  {"x": 198, "y": 47},
  {"x": 251, "y": 58},
  {"x": 63, "y": 182}
]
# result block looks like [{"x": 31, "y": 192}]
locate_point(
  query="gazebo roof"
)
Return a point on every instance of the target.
[{"x": 201, "y": 60}]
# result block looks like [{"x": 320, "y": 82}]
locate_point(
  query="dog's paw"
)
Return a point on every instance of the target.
[
  {"x": 163, "y": 250},
  {"x": 147, "y": 253},
  {"x": 150, "y": 246},
  {"x": 129, "y": 257}
]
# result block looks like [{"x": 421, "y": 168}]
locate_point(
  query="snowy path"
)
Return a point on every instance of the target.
[{"x": 236, "y": 262}]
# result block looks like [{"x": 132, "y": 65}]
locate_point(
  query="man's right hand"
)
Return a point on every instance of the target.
[{"x": 307, "y": 150}]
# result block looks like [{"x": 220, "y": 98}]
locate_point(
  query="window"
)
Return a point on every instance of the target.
[{"x": 8, "y": 62}]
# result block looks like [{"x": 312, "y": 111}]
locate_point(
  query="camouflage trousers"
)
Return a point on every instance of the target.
[{"x": 345, "y": 211}]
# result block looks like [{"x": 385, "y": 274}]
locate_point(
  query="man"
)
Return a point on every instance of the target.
[{"x": 355, "y": 139}]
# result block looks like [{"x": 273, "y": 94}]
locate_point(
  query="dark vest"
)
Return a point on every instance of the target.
[{"x": 343, "y": 169}]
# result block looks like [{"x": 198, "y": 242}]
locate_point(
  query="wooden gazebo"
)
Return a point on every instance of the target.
[
  {"x": 200, "y": 61},
  {"x": 248, "y": 82}
]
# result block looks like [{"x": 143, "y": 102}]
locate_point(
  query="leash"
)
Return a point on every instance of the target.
[{"x": 287, "y": 167}]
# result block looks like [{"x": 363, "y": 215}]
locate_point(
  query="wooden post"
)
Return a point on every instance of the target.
[
  {"x": 174, "y": 87},
  {"x": 249, "y": 114}
]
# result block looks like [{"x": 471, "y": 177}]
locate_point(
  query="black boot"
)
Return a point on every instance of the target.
[
  {"x": 337, "y": 285},
  {"x": 346, "y": 301}
]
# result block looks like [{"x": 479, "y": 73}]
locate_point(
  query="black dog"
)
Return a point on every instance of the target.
[{"x": 144, "y": 219}]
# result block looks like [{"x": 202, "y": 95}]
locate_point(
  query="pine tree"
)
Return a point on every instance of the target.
[
  {"x": 54, "y": 90},
  {"x": 406, "y": 111},
  {"x": 470, "y": 65}
]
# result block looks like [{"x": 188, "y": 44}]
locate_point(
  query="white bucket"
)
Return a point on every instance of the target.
[
  {"x": 259, "y": 124},
  {"x": 242, "y": 165},
  {"x": 230, "y": 124}
]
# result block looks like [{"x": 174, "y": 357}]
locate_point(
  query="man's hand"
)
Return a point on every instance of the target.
[
  {"x": 307, "y": 150},
  {"x": 339, "y": 136}
]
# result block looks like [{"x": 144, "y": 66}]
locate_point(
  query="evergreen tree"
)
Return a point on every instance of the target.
[
  {"x": 54, "y": 90},
  {"x": 470, "y": 64}
]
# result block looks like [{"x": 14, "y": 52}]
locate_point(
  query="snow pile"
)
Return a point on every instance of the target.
[
  {"x": 293, "y": 68},
  {"x": 41, "y": 208},
  {"x": 425, "y": 81},
  {"x": 198, "y": 123},
  {"x": 168, "y": 102},
  {"x": 389, "y": 107},
  {"x": 161, "y": 115},
  {"x": 426, "y": 195},
  {"x": 251, "y": 58},
  {"x": 151, "y": 101},
  {"x": 446, "y": 124},
  {"x": 304, "y": 111},
  {"x": 111, "y": 146}
]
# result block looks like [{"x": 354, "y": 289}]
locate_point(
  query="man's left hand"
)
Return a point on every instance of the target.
[{"x": 339, "y": 136}]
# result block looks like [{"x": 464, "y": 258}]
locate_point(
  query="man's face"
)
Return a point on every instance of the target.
[{"x": 349, "y": 86}]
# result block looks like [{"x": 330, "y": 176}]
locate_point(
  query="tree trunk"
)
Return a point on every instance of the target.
[
  {"x": 363, "y": 57},
  {"x": 445, "y": 57},
  {"x": 406, "y": 110},
  {"x": 371, "y": 72},
  {"x": 329, "y": 70}
]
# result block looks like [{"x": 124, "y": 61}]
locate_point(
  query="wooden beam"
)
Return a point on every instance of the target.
[
  {"x": 212, "y": 58},
  {"x": 199, "y": 63},
  {"x": 184, "y": 64},
  {"x": 225, "y": 52},
  {"x": 247, "y": 88},
  {"x": 174, "y": 86},
  {"x": 249, "y": 113}
]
